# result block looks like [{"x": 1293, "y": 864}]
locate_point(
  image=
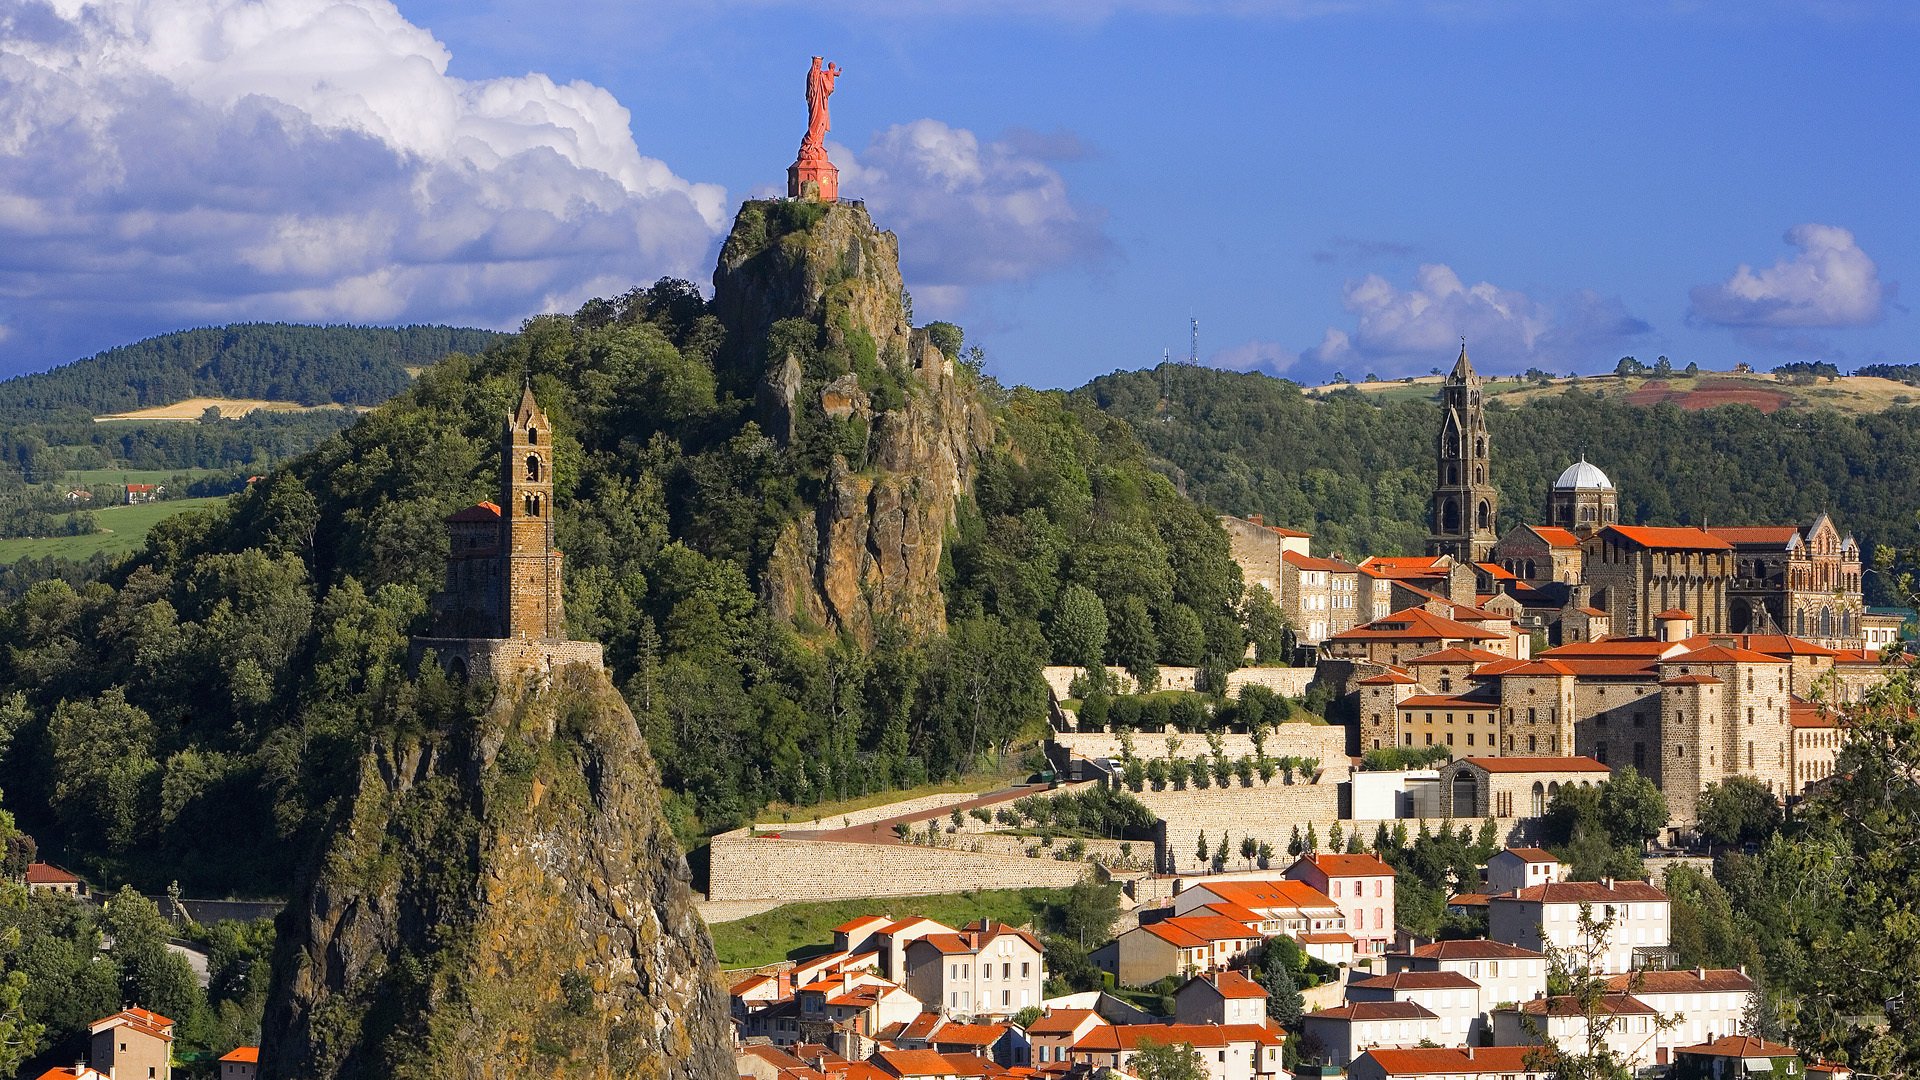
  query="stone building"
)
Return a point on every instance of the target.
[
  {"x": 1321, "y": 597},
  {"x": 1799, "y": 580},
  {"x": 1512, "y": 786},
  {"x": 1465, "y": 503},
  {"x": 1583, "y": 500},
  {"x": 1257, "y": 546},
  {"x": 500, "y": 612},
  {"x": 1637, "y": 571},
  {"x": 1540, "y": 554}
]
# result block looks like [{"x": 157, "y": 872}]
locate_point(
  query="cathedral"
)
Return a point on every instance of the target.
[
  {"x": 499, "y": 613},
  {"x": 1465, "y": 503}
]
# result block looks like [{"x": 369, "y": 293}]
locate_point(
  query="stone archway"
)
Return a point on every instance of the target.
[{"x": 1465, "y": 791}]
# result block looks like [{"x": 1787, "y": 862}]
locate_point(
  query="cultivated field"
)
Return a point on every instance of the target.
[
  {"x": 1766, "y": 392},
  {"x": 192, "y": 408},
  {"x": 125, "y": 530}
]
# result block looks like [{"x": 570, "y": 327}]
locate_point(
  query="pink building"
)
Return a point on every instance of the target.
[{"x": 1363, "y": 887}]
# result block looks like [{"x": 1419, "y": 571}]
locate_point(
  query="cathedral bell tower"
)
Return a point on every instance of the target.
[
  {"x": 1465, "y": 503},
  {"x": 531, "y": 581}
]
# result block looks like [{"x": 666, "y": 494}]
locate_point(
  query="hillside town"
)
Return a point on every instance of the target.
[{"x": 1464, "y": 691}]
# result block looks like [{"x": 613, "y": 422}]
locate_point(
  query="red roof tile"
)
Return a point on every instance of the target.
[
  {"x": 1452, "y": 1061},
  {"x": 1473, "y": 949},
  {"x": 1417, "y": 980},
  {"x": 1343, "y": 866},
  {"x": 1309, "y": 562},
  {"x": 1742, "y": 1046},
  {"x": 1687, "y": 981},
  {"x": 1230, "y": 984},
  {"x": 478, "y": 512},
  {"x": 1063, "y": 1021},
  {"x": 1447, "y": 701},
  {"x": 1556, "y": 536},
  {"x": 1585, "y": 892},
  {"x": 1776, "y": 535},
  {"x": 48, "y": 874},
  {"x": 1672, "y": 539},
  {"x": 1417, "y": 624},
  {"x": 243, "y": 1053},
  {"x": 1375, "y": 1010}
]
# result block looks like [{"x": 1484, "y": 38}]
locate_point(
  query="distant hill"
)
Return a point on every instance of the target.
[
  {"x": 1356, "y": 468},
  {"x": 306, "y": 365},
  {"x": 1869, "y": 390}
]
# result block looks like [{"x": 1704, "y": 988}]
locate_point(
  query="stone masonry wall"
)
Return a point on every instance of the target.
[
  {"x": 1285, "y": 681},
  {"x": 1266, "y": 812},
  {"x": 1327, "y": 742},
  {"x": 744, "y": 867}
]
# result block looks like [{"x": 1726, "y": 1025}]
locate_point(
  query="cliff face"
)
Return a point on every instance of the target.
[
  {"x": 502, "y": 899},
  {"x": 817, "y": 328}
]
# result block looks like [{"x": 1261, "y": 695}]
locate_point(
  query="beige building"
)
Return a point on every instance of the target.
[
  {"x": 1227, "y": 1052},
  {"x": 47, "y": 878},
  {"x": 1505, "y": 973},
  {"x": 986, "y": 969},
  {"x": 1539, "y": 555},
  {"x": 1543, "y": 915},
  {"x": 1257, "y": 547},
  {"x": 1220, "y": 997},
  {"x": 132, "y": 1043},
  {"x": 1445, "y": 1063},
  {"x": 1180, "y": 946},
  {"x": 1345, "y": 1032},
  {"x": 1321, "y": 597},
  {"x": 1709, "y": 1002},
  {"x": 1630, "y": 1027},
  {"x": 1452, "y": 998},
  {"x": 1403, "y": 635}
]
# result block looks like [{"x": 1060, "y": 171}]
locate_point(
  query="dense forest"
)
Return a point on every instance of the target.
[
  {"x": 1358, "y": 474},
  {"x": 234, "y": 670},
  {"x": 310, "y": 365}
]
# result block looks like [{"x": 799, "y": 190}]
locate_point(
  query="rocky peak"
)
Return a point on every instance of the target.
[
  {"x": 818, "y": 334},
  {"x": 501, "y": 897}
]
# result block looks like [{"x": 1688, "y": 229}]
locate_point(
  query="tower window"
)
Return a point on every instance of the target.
[
  {"x": 533, "y": 467},
  {"x": 533, "y": 435},
  {"x": 533, "y": 506}
]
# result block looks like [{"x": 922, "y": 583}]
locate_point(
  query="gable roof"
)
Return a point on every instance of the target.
[
  {"x": 1335, "y": 865},
  {"x": 1189, "y": 931},
  {"x": 1309, "y": 562},
  {"x": 1741, "y": 1046},
  {"x": 1687, "y": 981},
  {"x": 1374, "y": 1010},
  {"x": 1064, "y": 1021},
  {"x": 1227, "y": 984},
  {"x": 482, "y": 513},
  {"x": 1757, "y": 535},
  {"x": 243, "y": 1053},
  {"x": 40, "y": 873},
  {"x": 1424, "y": 1061},
  {"x": 1585, "y": 892},
  {"x": 1416, "y": 624},
  {"x": 1528, "y": 854},
  {"x": 1417, "y": 980},
  {"x": 1684, "y": 538},
  {"x": 1473, "y": 949}
]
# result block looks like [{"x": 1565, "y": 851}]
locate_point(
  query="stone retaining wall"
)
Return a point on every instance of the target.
[
  {"x": 745, "y": 867},
  {"x": 803, "y": 818},
  {"x": 1287, "y": 682},
  {"x": 1267, "y": 812},
  {"x": 1327, "y": 742}
]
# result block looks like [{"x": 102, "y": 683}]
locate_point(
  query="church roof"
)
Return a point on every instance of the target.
[
  {"x": 481, "y": 512},
  {"x": 1462, "y": 368},
  {"x": 1671, "y": 538},
  {"x": 1581, "y": 476}
]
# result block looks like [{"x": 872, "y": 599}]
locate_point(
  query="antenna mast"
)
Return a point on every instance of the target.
[{"x": 1193, "y": 347}]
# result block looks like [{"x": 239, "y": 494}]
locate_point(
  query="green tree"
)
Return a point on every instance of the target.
[
  {"x": 1738, "y": 810},
  {"x": 1089, "y": 910},
  {"x": 1267, "y": 627},
  {"x": 1285, "y": 1004},
  {"x": 1632, "y": 809},
  {"x": 1078, "y": 630},
  {"x": 19, "y": 1034},
  {"x": 1131, "y": 641},
  {"x": 102, "y": 767},
  {"x": 1167, "y": 1061}
]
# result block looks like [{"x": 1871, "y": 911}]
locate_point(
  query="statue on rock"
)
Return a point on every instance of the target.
[{"x": 813, "y": 176}]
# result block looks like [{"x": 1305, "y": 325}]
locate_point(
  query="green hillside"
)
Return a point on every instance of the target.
[{"x": 1355, "y": 469}]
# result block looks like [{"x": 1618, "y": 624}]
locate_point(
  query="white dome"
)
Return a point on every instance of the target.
[{"x": 1581, "y": 476}]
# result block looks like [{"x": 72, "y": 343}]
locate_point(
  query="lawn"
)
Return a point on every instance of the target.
[
  {"x": 980, "y": 780},
  {"x": 124, "y": 530},
  {"x": 795, "y": 930}
]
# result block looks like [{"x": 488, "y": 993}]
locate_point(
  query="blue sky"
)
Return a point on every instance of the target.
[{"x": 1327, "y": 185}]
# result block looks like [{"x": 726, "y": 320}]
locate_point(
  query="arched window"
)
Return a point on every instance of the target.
[
  {"x": 1450, "y": 517},
  {"x": 533, "y": 467},
  {"x": 1479, "y": 445},
  {"x": 533, "y": 505},
  {"x": 1539, "y": 800},
  {"x": 1486, "y": 515},
  {"x": 533, "y": 435},
  {"x": 1826, "y": 622}
]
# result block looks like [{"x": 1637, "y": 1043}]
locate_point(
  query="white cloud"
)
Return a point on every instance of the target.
[
  {"x": 1404, "y": 331},
  {"x": 1268, "y": 356},
  {"x": 970, "y": 212},
  {"x": 164, "y": 161},
  {"x": 1829, "y": 283}
]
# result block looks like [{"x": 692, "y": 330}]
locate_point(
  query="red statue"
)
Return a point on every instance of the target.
[{"x": 813, "y": 176}]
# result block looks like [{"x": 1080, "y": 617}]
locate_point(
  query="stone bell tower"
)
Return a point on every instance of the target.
[
  {"x": 532, "y": 573},
  {"x": 1465, "y": 503}
]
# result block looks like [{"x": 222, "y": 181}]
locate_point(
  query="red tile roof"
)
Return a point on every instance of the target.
[
  {"x": 1411, "y": 566},
  {"x": 1063, "y": 1021},
  {"x": 1230, "y": 984},
  {"x": 1130, "y": 1036},
  {"x": 1453, "y": 1061},
  {"x": 1538, "y": 667},
  {"x": 1778, "y": 535},
  {"x": 865, "y": 920},
  {"x": 1585, "y": 892},
  {"x": 1570, "y": 1005},
  {"x": 914, "y": 1063},
  {"x": 1269, "y": 893},
  {"x": 1497, "y": 572},
  {"x": 1537, "y": 764},
  {"x": 1688, "y": 981},
  {"x": 243, "y": 1053},
  {"x": 1388, "y": 678},
  {"x": 1724, "y": 654},
  {"x": 1192, "y": 931},
  {"x": 1530, "y": 854},
  {"x": 40, "y": 873},
  {"x": 1770, "y": 644},
  {"x": 1417, "y": 980},
  {"x": 1417, "y": 624},
  {"x": 1375, "y": 1010},
  {"x": 1674, "y": 613},
  {"x": 1806, "y": 714},
  {"x": 1343, "y": 866},
  {"x": 1556, "y": 536},
  {"x": 1309, "y": 562},
  {"x": 1473, "y": 949},
  {"x": 478, "y": 512},
  {"x": 969, "y": 1034},
  {"x": 1673, "y": 539},
  {"x": 1738, "y": 1046},
  {"x": 1457, "y": 655}
]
